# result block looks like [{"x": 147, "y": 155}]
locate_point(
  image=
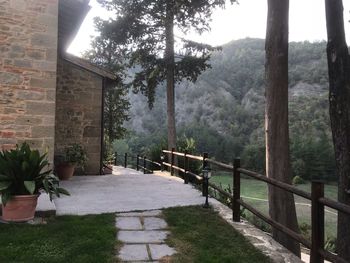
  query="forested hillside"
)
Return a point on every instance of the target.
[{"x": 224, "y": 110}]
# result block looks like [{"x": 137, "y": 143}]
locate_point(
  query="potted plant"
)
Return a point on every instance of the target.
[
  {"x": 75, "y": 156},
  {"x": 108, "y": 163},
  {"x": 22, "y": 177}
]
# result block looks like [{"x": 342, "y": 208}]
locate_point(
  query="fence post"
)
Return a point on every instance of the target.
[
  {"x": 144, "y": 164},
  {"x": 185, "y": 168},
  {"x": 204, "y": 186},
  {"x": 115, "y": 158},
  {"x": 172, "y": 161},
  {"x": 125, "y": 160},
  {"x": 137, "y": 162},
  {"x": 317, "y": 222},
  {"x": 236, "y": 213}
]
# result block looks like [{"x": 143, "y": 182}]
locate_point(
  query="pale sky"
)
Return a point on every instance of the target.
[{"x": 247, "y": 19}]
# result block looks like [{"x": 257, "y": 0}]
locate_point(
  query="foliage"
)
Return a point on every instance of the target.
[
  {"x": 220, "y": 197},
  {"x": 116, "y": 104},
  {"x": 60, "y": 240},
  {"x": 305, "y": 230},
  {"x": 331, "y": 244},
  {"x": 109, "y": 157},
  {"x": 120, "y": 146},
  {"x": 75, "y": 154},
  {"x": 297, "y": 180},
  {"x": 259, "y": 223},
  {"x": 224, "y": 110},
  {"x": 138, "y": 34},
  {"x": 22, "y": 172},
  {"x": 116, "y": 108}
]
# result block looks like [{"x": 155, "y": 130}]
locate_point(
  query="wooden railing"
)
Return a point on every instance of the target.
[
  {"x": 141, "y": 162},
  {"x": 317, "y": 198}
]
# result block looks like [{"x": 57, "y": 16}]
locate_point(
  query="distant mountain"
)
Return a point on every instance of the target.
[{"x": 236, "y": 80}]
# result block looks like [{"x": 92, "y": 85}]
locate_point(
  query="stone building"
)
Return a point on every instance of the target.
[{"x": 49, "y": 98}]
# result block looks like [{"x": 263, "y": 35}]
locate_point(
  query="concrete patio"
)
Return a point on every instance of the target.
[{"x": 123, "y": 191}]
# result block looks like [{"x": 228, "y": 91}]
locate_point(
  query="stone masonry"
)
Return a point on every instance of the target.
[
  {"x": 28, "y": 48},
  {"x": 78, "y": 112}
]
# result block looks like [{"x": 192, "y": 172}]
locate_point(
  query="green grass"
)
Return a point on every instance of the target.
[
  {"x": 68, "y": 239},
  {"x": 251, "y": 189},
  {"x": 258, "y": 189},
  {"x": 201, "y": 235}
]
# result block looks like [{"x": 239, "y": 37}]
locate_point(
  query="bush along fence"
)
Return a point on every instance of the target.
[{"x": 318, "y": 201}]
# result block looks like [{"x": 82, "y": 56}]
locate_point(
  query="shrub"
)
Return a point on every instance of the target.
[
  {"x": 305, "y": 230},
  {"x": 75, "y": 154},
  {"x": 330, "y": 244},
  {"x": 298, "y": 180}
]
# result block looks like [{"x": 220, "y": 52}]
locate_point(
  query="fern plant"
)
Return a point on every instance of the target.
[{"x": 22, "y": 173}]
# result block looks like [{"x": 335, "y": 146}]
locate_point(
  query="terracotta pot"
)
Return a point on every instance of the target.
[
  {"x": 108, "y": 169},
  {"x": 65, "y": 171},
  {"x": 20, "y": 208}
]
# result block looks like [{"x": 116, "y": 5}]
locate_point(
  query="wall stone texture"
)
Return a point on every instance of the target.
[
  {"x": 78, "y": 112},
  {"x": 28, "y": 61}
]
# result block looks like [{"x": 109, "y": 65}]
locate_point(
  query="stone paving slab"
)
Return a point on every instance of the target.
[
  {"x": 133, "y": 252},
  {"x": 160, "y": 251},
  {"x": 125, "y": 191},
  {"x": 128, "y": 223},
  {"x": 152, "y": 223},
  {"x": 150, "y": 238},
  {"x": 143, "y": 213},
  {"x": 142, "y": 236}
]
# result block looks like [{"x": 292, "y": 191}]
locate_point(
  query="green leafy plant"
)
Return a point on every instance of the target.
[
  {"x": 305, "y": 230},
  {"x": 331, "y": 244},
  {"x": 22, "y": 173},
  {"x": 75, "y": 154},
  {"x": 298, "y": 180}
]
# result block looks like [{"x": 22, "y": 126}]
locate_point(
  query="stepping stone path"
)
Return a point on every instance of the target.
[{"x": 143, "y": 236}]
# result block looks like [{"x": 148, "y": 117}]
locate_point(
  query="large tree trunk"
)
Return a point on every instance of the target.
[
  {"x": 170, "y": 81},
  {"x": 281, "y": 203},
  {"x": 339, "y": 109}
]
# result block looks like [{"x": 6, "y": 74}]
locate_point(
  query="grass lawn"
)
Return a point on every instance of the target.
[
  {"x": 73, "y": 239},
  {"x": 253, "y": 190},
  {"x": 201, "y": 235}
]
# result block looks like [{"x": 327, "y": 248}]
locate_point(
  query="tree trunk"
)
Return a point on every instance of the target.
[
  {"x": 170, "y": 80},
  {"x": 339, "y": 110},
  {"x": 281, "y": 203}
]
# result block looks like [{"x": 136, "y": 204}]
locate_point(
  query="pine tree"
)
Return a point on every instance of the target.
[
  {"x": 116, "y": 105},
  {"x": 281, "y": 203},
  {"x": 339, "y": 109},
  {"x": 143, "y": 34}
]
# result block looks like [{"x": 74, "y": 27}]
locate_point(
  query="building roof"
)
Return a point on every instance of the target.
[
  {"x": 71, "y": 14},
  {"x": 83, "y": 63}
]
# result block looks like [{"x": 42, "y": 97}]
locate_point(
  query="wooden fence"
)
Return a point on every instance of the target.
[
  {"x": 317, "y": 198},
  {"x": 136, "y": 161}
]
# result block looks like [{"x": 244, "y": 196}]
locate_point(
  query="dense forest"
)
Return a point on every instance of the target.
[{"x": 223, "y": 112}]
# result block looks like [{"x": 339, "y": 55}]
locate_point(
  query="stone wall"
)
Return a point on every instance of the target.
[
  {"x": 78, "y": 112},
  {"x": 28, "y": 59}
]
